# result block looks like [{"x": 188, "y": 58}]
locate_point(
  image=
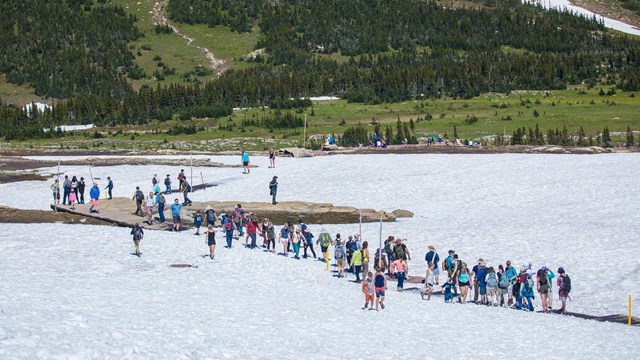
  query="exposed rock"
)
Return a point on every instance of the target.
[
  {"x": 399, "y": 213},
  {"x": 296, "y": 152}
]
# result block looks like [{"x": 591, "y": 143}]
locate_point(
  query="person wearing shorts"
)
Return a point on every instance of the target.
[
  {"x": 210, "y": 235},
  {"x": 176, "y": 210},
  {"x": 245, "y": 162},
  {"x": 380, "y": 283},
  {"x": 368, "y": 291}
]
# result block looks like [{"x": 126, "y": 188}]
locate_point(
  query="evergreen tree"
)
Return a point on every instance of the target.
[
  {"x": 455, "y": 132},
  {"x": 606, "y": 138},
  {"x": 630, "y": 139}
]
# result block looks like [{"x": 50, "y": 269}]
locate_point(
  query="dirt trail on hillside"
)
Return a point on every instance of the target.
[{"x": 159, "y": 17}]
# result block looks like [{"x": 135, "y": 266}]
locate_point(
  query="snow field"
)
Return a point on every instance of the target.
[
  {"x": 77, "y": 293},
  {"x": 574, "y": 211}
]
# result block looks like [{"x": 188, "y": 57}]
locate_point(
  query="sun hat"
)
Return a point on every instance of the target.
[{"x": 432, "y": 248}]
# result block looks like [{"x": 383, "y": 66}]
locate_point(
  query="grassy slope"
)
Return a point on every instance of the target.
[{"x": 572, "y": 108}]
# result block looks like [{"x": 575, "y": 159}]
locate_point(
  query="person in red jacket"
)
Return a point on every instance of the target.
[{"x": 252, "y": 230}]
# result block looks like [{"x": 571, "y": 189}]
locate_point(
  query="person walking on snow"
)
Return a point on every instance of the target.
[
  {"x": 167, "y": 185},
  {"x": 197, "y": 222},
  {"x": 400, "y": 268},
  {"x": 356, "y": 263},
  {"x": 324, "y": 239},
  {"x": 283, "y": 238},
  {"x": 94, "y": 194},
  {"x": 273, "y": 189},
  {"x": 368, "y": 291},
  {"x": 296, "y": 238},
  {"x": 161, "y": 201},
  {"x": 245, "y": 162},
  {"x": 210, "y": 239},
  {"x": 138, "y": 234},
  {"x": 564, "y": 288},
  {"x": 380, "y": 283},
  {"x": 229, "y": 227},
  {"x": 340, "y": 256},
  {"x": 185, "y": 189},
  {"x": 432, "y": 258},
  {"x": 252, "y": 230},
  {"x": 272, "y": 158}
]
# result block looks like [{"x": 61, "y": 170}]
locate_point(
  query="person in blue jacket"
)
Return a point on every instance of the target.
[
  {"x": 94, "y": 194},
  {"x": 245, "y": 162}
]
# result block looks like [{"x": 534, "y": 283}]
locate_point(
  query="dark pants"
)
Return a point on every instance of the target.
[
  {"x": 400, "y": 280},
  {"x": 186, "y": 198},
  {"x": 271, "y": 243},
  {"x": 309, "y": 246},
  {"x": 139, "y": 208},
  {"x": 273, "y": 196},
  {"x": 109, "y": 192},
  {"x": 81, "y": 192},
  {"x": 229, "y": 235},
  {"x": 65, "y": 196},
  {"x": 358, "y": 269},
  {"x": 161, "y": 212},
  {"x": 253, "y": 239}
]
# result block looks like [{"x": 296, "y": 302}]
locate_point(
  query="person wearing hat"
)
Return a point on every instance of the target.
[
  {"x": 167, "y": 184},
  {"x": 432, "y": 258},
  {"x": 514, "y": 286},
  {"x": 450, "y": 263},
  {"x": 480, "y": 286},
  {"x": 564, "y": 287},
  {"x": 94, "y": 194},
  {"x": 273, "y": 189}
]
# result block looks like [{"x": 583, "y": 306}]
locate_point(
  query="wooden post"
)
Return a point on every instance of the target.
[
  {"x": 202, "y": 179},
  {"x": 191, "y": 182},
  {"x": 304, "y": 136},
  {"x": 630, "y": 304},
  {"x": 91, "y": 174},
  {"x": 360, "y": 232},
  {"x": 380, "y": 262}
]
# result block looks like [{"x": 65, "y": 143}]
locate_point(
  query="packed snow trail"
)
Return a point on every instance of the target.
[{"x": 76, "y": 292}]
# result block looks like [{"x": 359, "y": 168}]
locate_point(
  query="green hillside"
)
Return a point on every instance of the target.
[{"x": 148, "y": 64}]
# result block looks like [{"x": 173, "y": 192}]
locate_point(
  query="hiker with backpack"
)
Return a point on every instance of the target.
[
  {"x": 197, "y": 222},
  {"x": 400, "y": 251},
  {"x": 388, "y": 249},
  {"x": 229, "y": 227},
  {"x": 368, "y": 291},
  {"x": 185, "y": 189},
  {"x": 448, "y": 264},
  {"x": 349, "y": 248},
  {"x": 149, "y": 204},
  {"x": 543, "y": 288},
  {"x": 432, "y": 258},
  {"x": 491, "y": 280},
  {"x": 514, "y": 286},
  {"x": 283, "y": 238},
  {"x": 339, "y": 254},
  {"x": 238, "y": 219},
  {"x": 503, "y": 284},
  {"x": 380, "y": 283},
  {"x": 161, "y": 201},
  {"x": 564, "y": 288},
  {"x": 324, "y": 240},
  {"x": 167, "y": 185},
  {"x": 380, "y": 261},
  {"x": 479, "y": 285},
  {"x": 210, "y": 240},
  {"x": 526, "y": 289},
  {"x": 138, "y": 234},
  {"x": 400, "y": 270},
  {"x": 307, "y": 238},
  {"x": 550, "y": 275},
  {"x": 210, "y": 216},
  {"x": 273, "y": 190},
  {"x": 138, "y": 197},
  {"x": 356, "y": 263}
]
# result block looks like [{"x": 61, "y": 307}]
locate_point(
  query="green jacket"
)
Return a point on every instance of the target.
[{"x": 356, "y": 260}]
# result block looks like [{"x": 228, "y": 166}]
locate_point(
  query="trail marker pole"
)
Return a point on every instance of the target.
[
  {"x": 630, "y": 305},
  {"x": 304, "y": 136},
  {"x": 380, "y": 246},
  {"x": 191, "y": 169}
]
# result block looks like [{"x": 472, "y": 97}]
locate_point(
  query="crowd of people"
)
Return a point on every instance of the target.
[{"x": 73, "y": 192}]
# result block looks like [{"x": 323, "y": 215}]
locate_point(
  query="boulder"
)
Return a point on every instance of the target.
[{"x": 399, "y": 213}]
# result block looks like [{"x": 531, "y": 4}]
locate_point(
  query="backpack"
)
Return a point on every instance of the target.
[
  {"x": 379, "y": 281},
  {"x": 339, "y": 253},
  {"x": 324, "y": 240},
  {"x": 504, "y": 281},
  {"x": 492, "y": 281},
  {"x": 444, "y": 265},
  {"x": 211, "y": 217},
  {"x": 162, "y": 200},
  {"x": 566, "y": 284},
  {"x": 354, "y": 245},
  {"x": 188, "y": 187},
  {"x": 154, "y": 181},
  {"x": 529, "y": 283},
  {"x": 228, "y": 226},
  {"x": 137, "y": 233},
  {"x": 399, "y": 251},
  {"x": 167, "y": 181},
  {"x": 388, "y": 248},
  {"x": 139, "y": 196}
]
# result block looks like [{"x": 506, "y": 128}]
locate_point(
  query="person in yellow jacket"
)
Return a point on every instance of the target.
[
  {"x": 356, "y": 262},
  {"x": 365, "y": 258}
]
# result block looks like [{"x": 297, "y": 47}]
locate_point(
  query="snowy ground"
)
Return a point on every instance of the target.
[
  {"x": 566, "y": 4},
  {"x": 574, "y": 211},
  {"x": 77, "y": 293},
  {"x": 75, "y": 290}
]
